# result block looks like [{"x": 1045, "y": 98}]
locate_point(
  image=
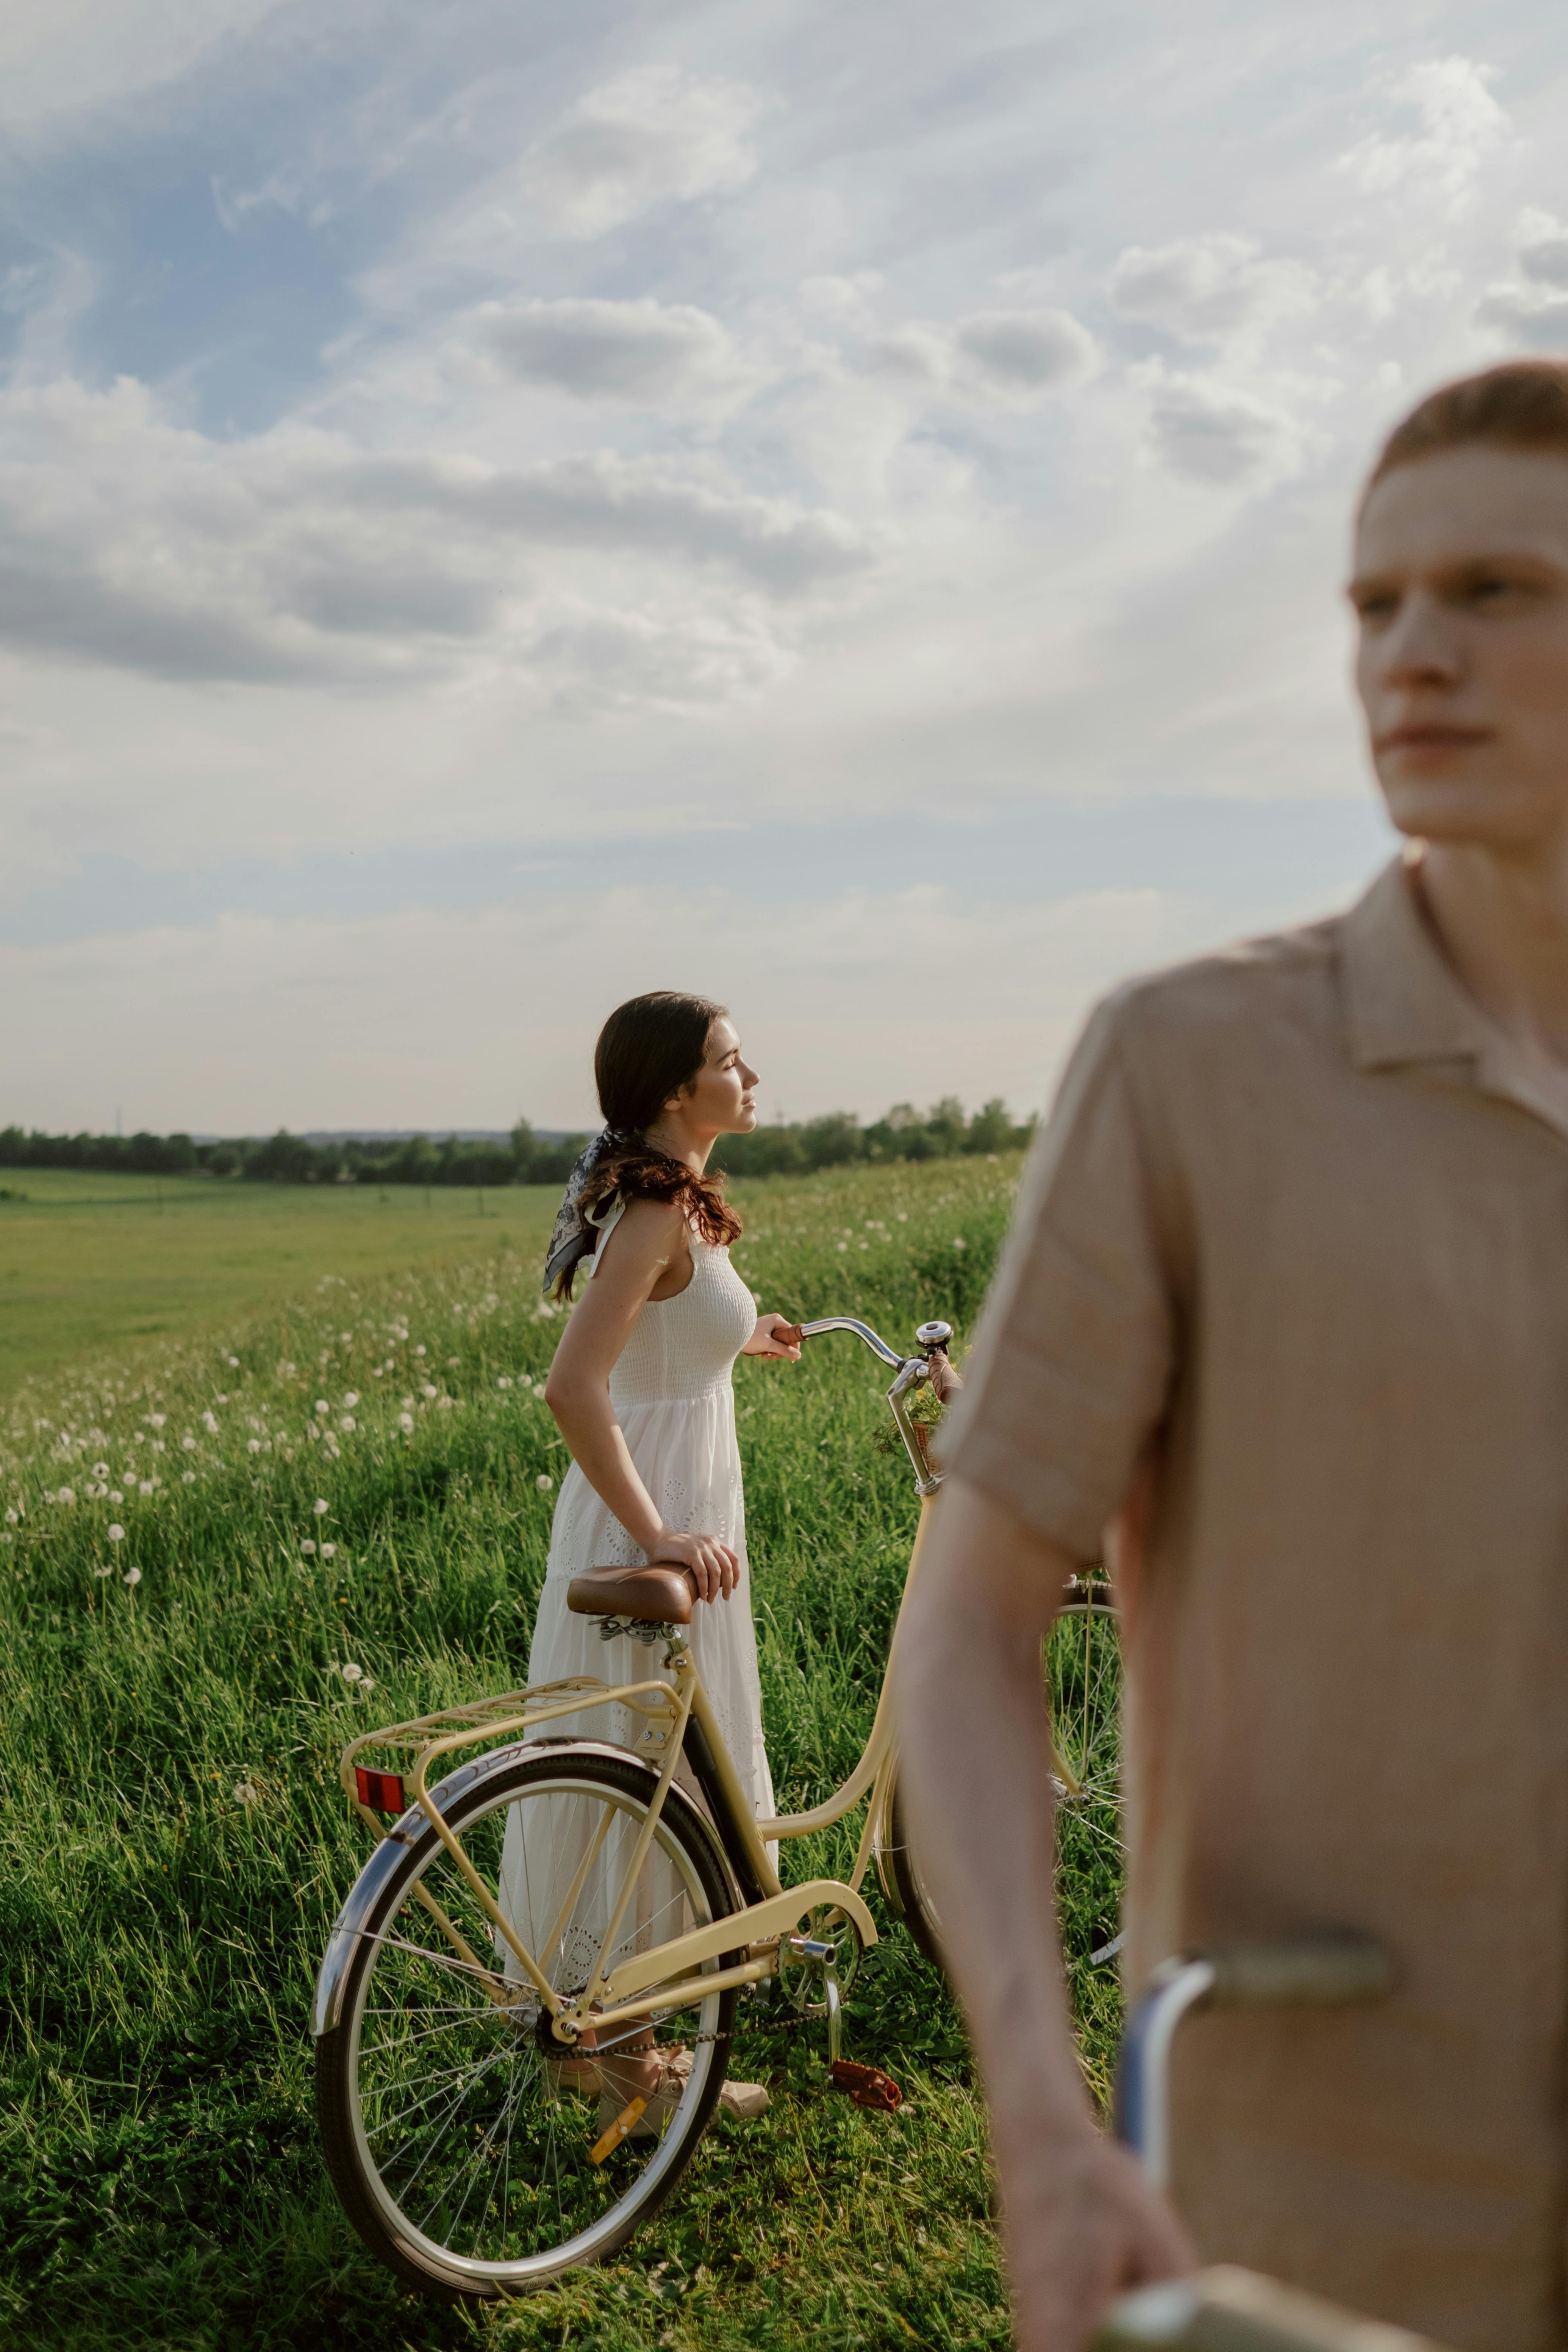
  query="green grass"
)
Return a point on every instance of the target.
[
  {"x": 92, "y": 1261},
  {"x": 159, "y": 2182}
]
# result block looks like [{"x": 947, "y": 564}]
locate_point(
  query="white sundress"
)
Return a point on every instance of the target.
[{"x": 670, "y": 1391}]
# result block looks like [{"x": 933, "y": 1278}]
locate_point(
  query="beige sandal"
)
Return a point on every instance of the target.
[{"x": 744, "y": 2101}]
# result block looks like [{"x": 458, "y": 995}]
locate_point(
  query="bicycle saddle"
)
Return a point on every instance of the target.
[{"x": 660, "y": 1594}]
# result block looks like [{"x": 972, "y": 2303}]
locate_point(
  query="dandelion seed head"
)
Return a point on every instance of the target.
[
  {"x": 144, "y": 1486},
  {"x": 253, "y": 1445},
  {"x": 66, "y": 1494},
  {"x": 347, "y": 1421},
  {"x": 321, "y": 1408},
  {"x": 420, "y": 1349},
  {"x": 101, "y": 1469},
  {"x": 308, "y": 1546},
  {"x": 188, "y": 1442},
  {"x": 188, "y": 1478},
  {"x": 545, "y": 1482},
  {"x": 352, "y": 1398},
  {"x": 351, "y": 1672},
  {"x": 405, "y": 1421},
  {"x": 104, "y": 1568},
  {"x": 246, "y": 1792},
  {"x": 133, "y": 1577},
  {"x": 503, "y": 1383},
  {"x": 114, "y": 1496},
  {"x": 234, "y": 1363},
  {"x": 321, "y": 1506},
  {"x": 115, "y": 1533},
  {"x": 328, "y": 1551}
]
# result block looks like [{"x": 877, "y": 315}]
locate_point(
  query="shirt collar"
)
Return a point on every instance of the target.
[{"x": 1402, "y": 1004}]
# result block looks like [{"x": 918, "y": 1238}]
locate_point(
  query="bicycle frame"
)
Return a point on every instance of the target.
[{"x": 672, "y": 1974}]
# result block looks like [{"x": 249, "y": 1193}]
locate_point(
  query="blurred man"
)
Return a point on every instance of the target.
[{"x": 1286, "y": 1310}]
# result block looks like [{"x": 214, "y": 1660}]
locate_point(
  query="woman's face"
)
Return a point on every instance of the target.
[{"x": 722, "y": 1097}]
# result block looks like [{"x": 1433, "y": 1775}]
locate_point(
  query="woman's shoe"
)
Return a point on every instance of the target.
[{"x": 663, "y": 2092}]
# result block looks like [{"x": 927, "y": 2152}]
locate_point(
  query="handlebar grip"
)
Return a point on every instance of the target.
[
  {"x": 1230, "y": 2310},
  {"x": 1318, "y": 1971}
]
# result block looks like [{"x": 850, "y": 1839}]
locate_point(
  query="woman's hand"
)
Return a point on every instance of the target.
[
  {"x": 714, "y": 1568},
  {"x": 774, "y": 1337}
]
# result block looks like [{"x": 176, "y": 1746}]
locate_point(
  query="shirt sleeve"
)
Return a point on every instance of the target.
[{"x": 1072, "y": 1361}]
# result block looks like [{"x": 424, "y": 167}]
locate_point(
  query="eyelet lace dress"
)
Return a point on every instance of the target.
[{"x": 670, "y": 1391}]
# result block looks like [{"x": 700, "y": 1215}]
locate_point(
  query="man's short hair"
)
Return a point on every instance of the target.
[{"x": 1522, "y": 405}]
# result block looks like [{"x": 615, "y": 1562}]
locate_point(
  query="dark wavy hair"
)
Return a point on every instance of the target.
[{"x": 652, "y": 1047}]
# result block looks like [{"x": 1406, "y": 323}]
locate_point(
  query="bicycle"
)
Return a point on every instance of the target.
[
  {"x": 500, "y": 2089},
  {"x": 1227, "y": 2308}
]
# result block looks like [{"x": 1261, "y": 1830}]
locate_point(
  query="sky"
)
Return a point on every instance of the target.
[{"x": 505, "y": 506}]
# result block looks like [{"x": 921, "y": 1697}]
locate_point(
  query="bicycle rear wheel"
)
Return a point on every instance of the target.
[
  {"x": 1083, "y": 1696},
  {"x": 468, "y": 2148}
]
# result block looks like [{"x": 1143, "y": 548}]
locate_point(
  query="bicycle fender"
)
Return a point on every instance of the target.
[{"x": 363, "y": 1899}]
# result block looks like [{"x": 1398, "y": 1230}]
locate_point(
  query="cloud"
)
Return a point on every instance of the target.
[
  {"x": 1543, "y": 248},
  {"x": 642, "y": 350},
  {"x": 296, "y": 557},
  {"x": 1203, "y": 288},
  {"x": 653, "y": 137},
  {"x": 1012, "y": 356},
  {"x": 1461, "y": 126},
  {"x": 1215, "y": 434},
  {"x": 69, "y": 56},
  {"x": 1533, "y": 310}
]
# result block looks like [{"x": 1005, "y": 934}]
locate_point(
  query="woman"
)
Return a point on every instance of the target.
[{"x": 640, "y": 1386}]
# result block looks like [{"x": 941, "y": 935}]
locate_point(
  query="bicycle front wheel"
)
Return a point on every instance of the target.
[{"x": 468, "y": 2148}]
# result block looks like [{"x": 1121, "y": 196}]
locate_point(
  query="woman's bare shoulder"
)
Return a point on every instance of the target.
[{"x": 647, "y": 1233}]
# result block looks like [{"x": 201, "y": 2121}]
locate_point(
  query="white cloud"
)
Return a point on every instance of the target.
[
  {"x": 1461, "y": 126},
  {"x": 640, "y": 350},
  {"x": 654, "y": 136},
  {"x": 127, "y": 541},
  {"x": 1543, "y": 248},
  {"x": 69, "y": 56},
  {"x": 1203, "y": 288},
  {"x": 1011, "y": 356},
  {"x": 1214, "y": 432}
]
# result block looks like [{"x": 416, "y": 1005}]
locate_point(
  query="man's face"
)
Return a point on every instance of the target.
[{"x": 1461, "y": 596}]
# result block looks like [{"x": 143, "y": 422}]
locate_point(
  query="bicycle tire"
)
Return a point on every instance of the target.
[
  {"x": 916, "y": 1907},
  {"x": 516, "y": 2072}
]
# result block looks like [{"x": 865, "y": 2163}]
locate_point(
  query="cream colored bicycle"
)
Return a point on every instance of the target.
[{"x": 524, "y": 2012}]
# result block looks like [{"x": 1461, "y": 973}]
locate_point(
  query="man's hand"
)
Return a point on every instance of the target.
[{"x": 1081, "y": 2225}]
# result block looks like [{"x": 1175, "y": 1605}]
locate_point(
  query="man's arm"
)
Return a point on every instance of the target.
[{"x": 1081, "y": 2223}]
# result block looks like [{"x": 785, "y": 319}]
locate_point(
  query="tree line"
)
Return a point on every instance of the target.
[{"x": 521, "y": 1157}]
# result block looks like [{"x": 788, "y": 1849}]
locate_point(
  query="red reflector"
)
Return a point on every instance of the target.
[{"x": 382, "y": 1791}]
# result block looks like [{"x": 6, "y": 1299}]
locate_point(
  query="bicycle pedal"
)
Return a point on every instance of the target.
[
  {"x": 867, "y": 2085},
  {"x": 626, "y": 2121}
]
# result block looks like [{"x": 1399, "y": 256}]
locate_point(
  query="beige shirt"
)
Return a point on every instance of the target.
[{"x": 1292, "y": 1244}]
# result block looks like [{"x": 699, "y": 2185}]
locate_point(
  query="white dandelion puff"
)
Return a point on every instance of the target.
[
  {"x": 545, "y": 1482},
  {"x": 105, "y": 1568},
  {"x": 308, "y": 1547},
  {"x": 405, "y": 1421},
  {"x": 351, "y": 1672},
  {"x": 503, "y": 1383},
  {"x": 347, "y": 1421},
  {"x": 328, "y": 1551},
  {"x": 144, "y": 1486},
  {"x": 253, "y": 1445},
  {"x": 321, "y": 1408},
  {"x": 187, "y": 1478},
  {"x": 66, "y": 1494},
  {"x": 188, "y": 1444},
  {"x": 246, "y": 1792},
  {"x": 367, "y": 1682},
  {"x": 352, "y": 1398},
  {"x": 420, "y": 1349},
  {"x": 133, "y": 1577},
  {"x": 321, "y": 1506},
  {"x": 234, "y": 1363},
  {"x": 100, "y": 1470},
  {"x": 115, "y": 1495}
]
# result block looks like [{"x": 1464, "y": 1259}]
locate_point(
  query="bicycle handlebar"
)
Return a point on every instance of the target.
[{"x": 861, "y": 1330}]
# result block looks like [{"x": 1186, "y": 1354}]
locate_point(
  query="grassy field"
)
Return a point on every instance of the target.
[
  {"x": 89, "y": 1262},
  {"x": 159, "y": 2182}
]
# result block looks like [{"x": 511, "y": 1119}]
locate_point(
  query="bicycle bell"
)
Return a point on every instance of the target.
[{"x": 932, "y": 1336}]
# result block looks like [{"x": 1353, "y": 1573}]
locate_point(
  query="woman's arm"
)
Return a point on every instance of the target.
[{"x": 634, "y": 1258}]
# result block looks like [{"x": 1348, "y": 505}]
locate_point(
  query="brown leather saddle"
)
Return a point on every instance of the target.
[{"x": 660, "y": 1594}]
